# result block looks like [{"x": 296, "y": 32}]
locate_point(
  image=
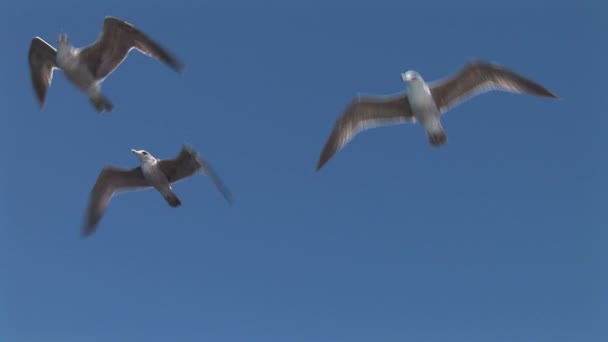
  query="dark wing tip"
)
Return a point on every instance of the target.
[
  {"x": 88, "y": 226},
  {"x": 228, "y": 196},
  {"x": 331, "y": 145},
  {"x": 329, "y": 149},
  {"x": 167, "y": 57},
  {"x": 550, "y": 94},
  {"x": 40, "y": 96},
  {"x": 86, "y": 232},
  {"x": 150, "y": 46},
  {"x": 173, "y": 63},
  {"x": 322, "y": 160},
  {"x": 206, "y": 168},
  {"x": 553, "y": 95},
  {"x": 177, "y": 65},
  {"x": 532, "y": 87}
]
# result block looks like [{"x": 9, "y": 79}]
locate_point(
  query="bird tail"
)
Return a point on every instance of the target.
[
  {"x": 101, "y": 103},
  {"x": 172, "y": 199},
  {"x": 437, "y": 138}
]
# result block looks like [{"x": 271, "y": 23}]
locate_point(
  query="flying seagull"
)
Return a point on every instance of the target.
[
  {"x": 425, "y": 103},
  {"x": 152, "y": 173},
  {"x": 88, "y": 67}
]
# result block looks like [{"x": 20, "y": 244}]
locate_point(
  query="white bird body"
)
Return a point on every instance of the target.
[
  {"x": 423, "y": 105},
  {"x": 68, "y": 60},
  {"x": 155, "y": 176}
]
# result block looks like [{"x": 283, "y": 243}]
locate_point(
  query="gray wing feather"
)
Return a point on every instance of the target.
[
  {"x": 110, "y": 181},
  {"x": 364, "y": 113},
  {"x": 223, "y": 189},
  {"x": 117, "y": 38},
  {"x": 479, "y": 77},
  {"x": 187, "y": 163},
  {"x": 41, "y": 58}
]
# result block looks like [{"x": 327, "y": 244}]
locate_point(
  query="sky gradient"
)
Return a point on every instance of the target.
[{"x": 498, "y": 236}]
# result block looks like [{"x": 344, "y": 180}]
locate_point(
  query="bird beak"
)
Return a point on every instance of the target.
[{"x": 135, "y": 151}]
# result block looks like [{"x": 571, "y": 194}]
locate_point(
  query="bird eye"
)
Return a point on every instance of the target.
[{"x": 144, "y": 153}]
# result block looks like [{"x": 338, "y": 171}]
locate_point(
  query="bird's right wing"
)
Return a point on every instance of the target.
[
  {"x": 41, "y": 59},
  {"x": 364, "y": 113},
  {"x": 110, "y": 180}
]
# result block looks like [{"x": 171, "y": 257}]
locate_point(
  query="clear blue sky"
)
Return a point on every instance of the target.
[{"x": 498, "y": 236}]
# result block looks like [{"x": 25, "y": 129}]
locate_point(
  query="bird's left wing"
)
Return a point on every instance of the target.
[
  {"x": 187, "y": 163},
  {"x": 477, "y": 77},
  {"x": 117, "y": 38}
]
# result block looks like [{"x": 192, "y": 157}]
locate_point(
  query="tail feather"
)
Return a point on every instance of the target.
[
  {"x": 102, "y": 104},
  {"x": 437, "y": 138},
  {"x": 172, "y": 199}
]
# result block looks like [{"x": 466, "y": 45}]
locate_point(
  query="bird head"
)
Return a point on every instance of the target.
[
  {"x": 143, "y": 155},
  {"x": 410, "y": 76}
]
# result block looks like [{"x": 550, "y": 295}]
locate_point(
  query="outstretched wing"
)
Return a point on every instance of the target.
[
  {"x": 364, "y": 113},
  {"x": 110, "y": 180},
  {"x": 117, "y": 38},
  {"x": 186, "y": 164},
  {"x": 478, "y": 77},
  {"x": 41, "y": 58}
]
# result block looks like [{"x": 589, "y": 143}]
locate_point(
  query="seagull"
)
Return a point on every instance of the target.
[
  {"x": 88, "y": 67},
  {"x": 425, "y": 103},
  {"x": 152, "y": 173}
]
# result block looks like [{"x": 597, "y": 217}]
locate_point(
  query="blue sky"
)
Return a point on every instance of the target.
[{"x": 498, "y": 236}]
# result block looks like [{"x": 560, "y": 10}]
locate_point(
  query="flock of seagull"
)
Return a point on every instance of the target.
[{"x": 87, "y": 68}]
